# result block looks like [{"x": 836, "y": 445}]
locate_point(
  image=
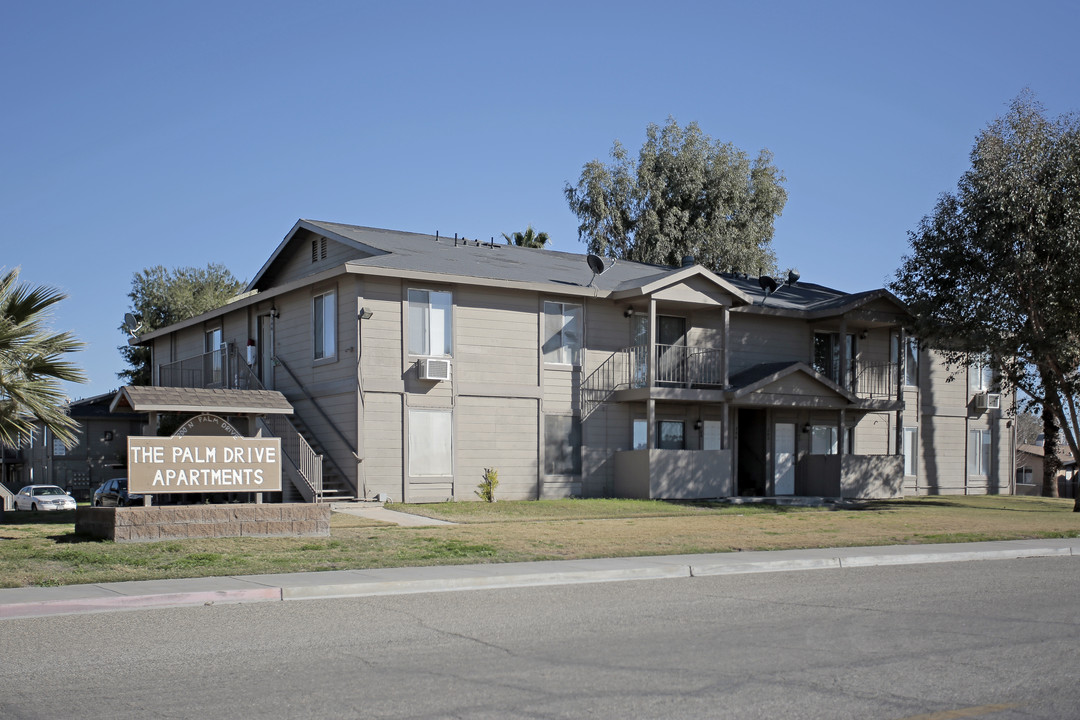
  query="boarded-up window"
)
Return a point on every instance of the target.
[
  {"x": 431, "y": 447},
  {"x": 911, "y": 451},
  {"x": 562, "y": 445}
]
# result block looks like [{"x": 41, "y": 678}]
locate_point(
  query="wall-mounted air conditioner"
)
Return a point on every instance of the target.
[
  {"x": 988, "y": 401},
  {"x": 433, "y": 369}
]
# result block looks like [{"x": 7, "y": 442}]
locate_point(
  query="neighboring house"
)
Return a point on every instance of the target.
[
  {"x": 412, "y": 362},
  {"x": 1029, "y": 470},
  {"x": 99, "y": 454}
]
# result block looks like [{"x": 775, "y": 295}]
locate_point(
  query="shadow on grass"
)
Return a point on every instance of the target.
[
  {"x": 31, "y": 517},
  {"x": 75, "y": 538}
]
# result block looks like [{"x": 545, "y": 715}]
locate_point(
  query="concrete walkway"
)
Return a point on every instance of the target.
[
  {"x": 108, "y": 597},
  {"x": 373, "y": 511}
]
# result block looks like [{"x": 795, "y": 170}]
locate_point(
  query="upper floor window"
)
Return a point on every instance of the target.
[
  {"x": 910, "y": 359},
  {"x": 980, "y": 376},
  {"x": 324, "y": 325},
  {"x": 827, "y": 357},
  {"x": 430, "y": 322},
  {"x": 213, "y": 341},
  {"x": 562, "y": 333}
]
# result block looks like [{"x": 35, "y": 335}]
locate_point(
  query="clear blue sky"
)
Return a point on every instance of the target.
[{"x": 182, "y": 133}]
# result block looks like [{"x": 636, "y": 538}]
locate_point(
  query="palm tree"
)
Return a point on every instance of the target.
[
  {"x": 529, "y": 238},
  {"x": 31, "y": 363}
]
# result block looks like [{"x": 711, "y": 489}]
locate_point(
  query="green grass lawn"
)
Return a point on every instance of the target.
[{"x": 43, "y": 549}]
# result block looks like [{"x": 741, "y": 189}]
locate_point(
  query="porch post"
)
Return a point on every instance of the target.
[
  {"x": 845, "y": 380},
  {"x": 724, "y": 353},
  {"x": 650, "y": 375},
  {"x": 901, "y": 358}
]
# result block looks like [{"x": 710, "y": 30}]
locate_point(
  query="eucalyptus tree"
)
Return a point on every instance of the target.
[
  {"x": 161, "y": 297},
  {"x": 530, "y": 238},
  {"x": 994, "y": 271},
  {"x": 685, "y": 194},
  {"x": 33, "y": 364}
]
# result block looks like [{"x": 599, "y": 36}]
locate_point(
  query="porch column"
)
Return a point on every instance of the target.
[
  {"x": 650, "y": 375},
  {"x": 724, "y": 354},
  {"x": 845, "y": 380},
  {"x": 901, "y": 358}
]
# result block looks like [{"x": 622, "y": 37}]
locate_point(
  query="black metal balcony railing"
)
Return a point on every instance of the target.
[
  {"x": 686, "y": 366},
  {"x": 876, "y": 381}
]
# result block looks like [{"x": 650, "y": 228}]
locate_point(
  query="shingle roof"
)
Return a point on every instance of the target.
[{"x": 143, "y": 398}]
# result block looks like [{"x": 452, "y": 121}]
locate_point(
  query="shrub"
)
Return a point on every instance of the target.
[{"x": 488, "y": 485}]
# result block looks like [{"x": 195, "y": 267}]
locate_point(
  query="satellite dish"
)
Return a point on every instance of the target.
[
  {"x": 792, "y": 277},
  {"x": 767, "y": 284},
  {"x": 131, "y": 323},
  {"x": 596, "y": 264}
]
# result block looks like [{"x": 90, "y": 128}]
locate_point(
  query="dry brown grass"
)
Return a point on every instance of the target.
[{"x": 42, "y": 549}]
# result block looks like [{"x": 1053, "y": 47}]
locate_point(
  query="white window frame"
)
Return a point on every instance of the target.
[
  {"x": 421, "y": 329},
  {"x": 431, "y": 442},
  {"x": 980, "y": 376},
  {"x": 980, "y": 449},
  {"x": 324, "y": 326},
  {"x": 911, "y": 451},
  {"x": 558, "y": 350}
]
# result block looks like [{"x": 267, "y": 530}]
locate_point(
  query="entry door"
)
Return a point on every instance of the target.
[{"x": 784, "y": 453}]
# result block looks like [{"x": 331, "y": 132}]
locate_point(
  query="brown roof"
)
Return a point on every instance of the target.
[{"x": 145, "y": 398}]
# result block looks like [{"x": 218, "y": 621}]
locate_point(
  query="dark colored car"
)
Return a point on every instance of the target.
[{"x": 114, "y": 493}]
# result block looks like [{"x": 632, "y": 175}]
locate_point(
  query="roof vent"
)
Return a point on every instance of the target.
[{"x": 687, "y": 260}]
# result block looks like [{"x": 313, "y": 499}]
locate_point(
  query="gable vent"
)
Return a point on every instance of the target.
[{"x": 318, "y": 249}]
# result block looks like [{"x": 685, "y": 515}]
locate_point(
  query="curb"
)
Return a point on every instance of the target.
[{"x": 110, "y": 597}]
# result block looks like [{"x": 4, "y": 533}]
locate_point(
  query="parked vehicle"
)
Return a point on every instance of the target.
[
  {"x": 43, "y": 497},
  {"x": 114, "y": 493}
]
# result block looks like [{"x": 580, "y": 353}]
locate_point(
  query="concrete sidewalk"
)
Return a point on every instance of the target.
[{"x": 108, "y": 597}]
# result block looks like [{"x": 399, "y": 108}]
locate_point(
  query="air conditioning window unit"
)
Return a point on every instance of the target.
[
  {"x": 434, "y": 369},
  {"x": 988, "y": 401}
]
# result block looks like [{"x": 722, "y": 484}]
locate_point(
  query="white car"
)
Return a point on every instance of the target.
[{"x": 43, "y": 497}]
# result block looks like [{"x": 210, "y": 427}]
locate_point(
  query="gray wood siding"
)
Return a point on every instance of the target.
[
  {"x": 295, "y": 262},
  {"x": 383, "y": 434},
  {"x": 383, "y": 345},
  {"x": 561, "y": 390},
  {"x": 495, "y": 336},
  {"x": 498, "y": 433},
  {"x": 764, "y": 339}
]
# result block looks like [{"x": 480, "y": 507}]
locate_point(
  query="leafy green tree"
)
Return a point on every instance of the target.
[
  {"x": 684, "y": 195},
  {"x": 530, "y": 238},
  {"x": 161, "y": 297},
  {"x": 32, "y": 363},
  {"x": 994, "y": 271}
]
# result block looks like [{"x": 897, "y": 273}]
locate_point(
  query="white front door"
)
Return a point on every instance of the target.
[{"x": 784, "y": 452}]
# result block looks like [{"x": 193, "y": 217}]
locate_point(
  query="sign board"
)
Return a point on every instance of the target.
[{"x": 203, "y": 464}]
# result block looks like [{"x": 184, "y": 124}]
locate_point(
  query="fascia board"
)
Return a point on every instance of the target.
[
  {"x": 546, "y": 288},
  {"x": 244, "y": 301}
]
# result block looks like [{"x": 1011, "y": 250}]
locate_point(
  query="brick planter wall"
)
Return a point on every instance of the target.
[{"x": 143, "y": 524}]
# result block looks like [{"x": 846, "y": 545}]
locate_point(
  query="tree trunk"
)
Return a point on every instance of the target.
[{"x": 1051, "y": 462}]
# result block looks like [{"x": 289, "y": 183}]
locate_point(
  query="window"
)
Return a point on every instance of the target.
[
  {"x": 823, "y": 440},
  {"x": 980, "y": 376},
  {"x": 827, "y": 357},
  {"x": 911, "y": 451},
  {"x": 562, "y": 445},
  {"x": 430, "y": 326},
  {"x": 670, "y": 435},
  {"x": 712, "y": 437},
  {"x": 324, "y": 325},
  {"x": 979, "y": 452},
  {"x": 910, "y": 359},
  {"x": 431, "y": 449},
  {"x": 562, "y": 333},
  {"x": 1024, "y": 476},
  {"x": 641, "y": 435}
]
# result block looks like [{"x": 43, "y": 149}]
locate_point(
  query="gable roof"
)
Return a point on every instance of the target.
[{"x": 762, "y": 375}]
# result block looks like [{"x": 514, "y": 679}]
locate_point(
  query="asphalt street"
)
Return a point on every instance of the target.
[{"x": 992, "y": 639}]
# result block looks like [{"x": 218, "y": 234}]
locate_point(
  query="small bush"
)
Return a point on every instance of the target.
[{"x": 488, "y": 485}]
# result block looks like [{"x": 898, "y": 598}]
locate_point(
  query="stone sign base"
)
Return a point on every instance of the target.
[{"x": 146, "y": 524}]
